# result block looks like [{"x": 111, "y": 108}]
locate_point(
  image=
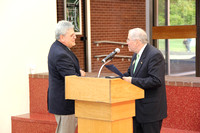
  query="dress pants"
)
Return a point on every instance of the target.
[
  {"x": 151, "y": 127},
  {"x": 66, "y": 123}
]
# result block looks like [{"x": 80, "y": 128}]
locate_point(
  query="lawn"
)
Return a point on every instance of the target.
[{"x": 175, "y": 45}]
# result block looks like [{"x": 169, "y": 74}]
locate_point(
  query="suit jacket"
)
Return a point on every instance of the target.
[
  {"x": 61, "y": 62},
  {"x": 150, "y": 76}
]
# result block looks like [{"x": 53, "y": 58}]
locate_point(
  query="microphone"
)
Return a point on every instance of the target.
[{"x": 111, "y": 55}]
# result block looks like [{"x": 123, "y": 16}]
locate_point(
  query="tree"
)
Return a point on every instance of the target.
[{"x": 182, "y": 12}]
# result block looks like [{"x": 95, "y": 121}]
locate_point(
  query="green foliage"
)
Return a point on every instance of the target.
[
  {"x": 182, "y": 12},
  {"x": 161, "y": 12}
]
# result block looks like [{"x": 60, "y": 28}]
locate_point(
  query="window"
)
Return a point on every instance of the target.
[
  {"x": 181, "y": 56},
  {"x": 176, "y": 12},
  {"x": 174, "y": 32}
]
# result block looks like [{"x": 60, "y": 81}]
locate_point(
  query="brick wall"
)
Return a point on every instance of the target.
[{"x": 110, "y": 20}]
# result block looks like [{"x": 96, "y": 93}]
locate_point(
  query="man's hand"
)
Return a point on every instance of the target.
[
  {"x": 82, "y": 73},
  {"x": 128, "y": 79}
]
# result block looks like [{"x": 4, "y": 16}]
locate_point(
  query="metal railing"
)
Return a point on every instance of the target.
[
  {"x": 110, "y": 42},
  {"x": 116, "y": 56},
  {"x": 115, "y": 43}
]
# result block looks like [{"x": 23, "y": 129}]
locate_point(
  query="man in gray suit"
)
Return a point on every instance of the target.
[
  {"x": 147, "y": 71},
  {"x": 62, "y": 62}
]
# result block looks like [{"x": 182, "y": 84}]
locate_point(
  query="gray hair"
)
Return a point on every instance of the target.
[
  {"x": 138, "y": 34},
  {"x": 62, "y": 27}
]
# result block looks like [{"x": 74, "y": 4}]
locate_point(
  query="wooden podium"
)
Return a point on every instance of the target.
[{"x": 103, "y": 105}]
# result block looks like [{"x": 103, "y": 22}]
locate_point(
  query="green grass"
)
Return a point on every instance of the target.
[{"x": 175, "y": 45}]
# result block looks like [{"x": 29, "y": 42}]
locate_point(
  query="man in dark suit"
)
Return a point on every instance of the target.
[
  {"x": 147, "y": 71},
  {"x": 62, "y": 62}
]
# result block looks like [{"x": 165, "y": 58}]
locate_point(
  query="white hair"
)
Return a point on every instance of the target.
[
  {"x": 138, "y": 34},
  {"x": 62, "y": 27}
]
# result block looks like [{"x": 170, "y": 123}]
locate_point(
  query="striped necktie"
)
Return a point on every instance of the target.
[{"x": 136, "y": 62}]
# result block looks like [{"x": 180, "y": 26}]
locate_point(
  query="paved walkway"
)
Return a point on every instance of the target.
[{"x": 180, "y": 55}]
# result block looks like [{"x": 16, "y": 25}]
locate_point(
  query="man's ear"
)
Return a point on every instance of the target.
[{"x": 61, "y": 38}]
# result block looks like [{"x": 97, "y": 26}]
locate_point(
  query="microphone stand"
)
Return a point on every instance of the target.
[{"x": 103, "y": 66}]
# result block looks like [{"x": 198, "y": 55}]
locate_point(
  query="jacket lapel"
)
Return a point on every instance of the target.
[
  {"x": 75, "y": 59},
  {"x": 71, "y": 55},
  {"x": 141, "y": 61},
  {"x": 139, "y": 65}
]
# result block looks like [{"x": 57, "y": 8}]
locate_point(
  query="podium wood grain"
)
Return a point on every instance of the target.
[
  {"x": 103, "y": 105},
  {"x": 101, "y": 89},
  {"x": 104, "y": 111},
  {"x": 98, "y": 126}
]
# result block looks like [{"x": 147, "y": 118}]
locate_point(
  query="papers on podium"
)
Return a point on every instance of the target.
[{"x": 114, "y": 69}]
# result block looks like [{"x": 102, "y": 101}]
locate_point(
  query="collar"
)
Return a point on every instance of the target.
[
  {"x": 142, "y": 49},
  {"x": 63, "y": 45}
]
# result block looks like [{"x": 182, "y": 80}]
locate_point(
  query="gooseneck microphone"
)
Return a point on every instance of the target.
[{"x": 111, "y": 55}]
